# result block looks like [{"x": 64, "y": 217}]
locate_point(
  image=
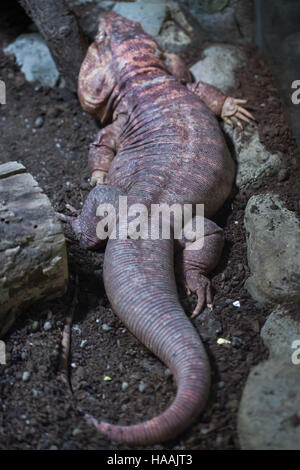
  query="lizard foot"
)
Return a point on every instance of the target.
[
  {"x": 234, "y": 113},
  {"x": 98, "y": 177},
  {"x": 199, "y": 284},
  {"x": 73, "y": 221}
]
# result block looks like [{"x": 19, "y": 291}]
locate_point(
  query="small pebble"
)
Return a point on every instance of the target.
[
  {"x": 35, "y": 392},
  {"x": 106, "y": 327},
  {"x": 204, "y": 430},
  {"x": 38, "y": 122},
  {"x": 83, "y": 343},
  {"x": 219, "y": 440},
  {"x": 168, "y": 373},
  {"x": 47, "y": 325},
  {"x": 35, "y": 326},
  {"x": 125, "y": 385},
  {"x": 26, "y": 376},
  {"x": 142, "y": 387},
  {"x": 237, "y": 342},
  {"x": 76, "y": 431},
  {"x": 53, "y": 448},
  {"x": 77, "y": 329}
]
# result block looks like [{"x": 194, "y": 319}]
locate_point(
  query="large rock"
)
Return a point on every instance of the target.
[
  {"x": 273, "y": 249},
  {"x": 176, "y": 25},
  {"x": 88, "y": 13},
  {"x": 269, "y": 413},
  {"x": 162, "y": 19},
  {"x": 281, "y": 330},
  {"x": 218, "y": 65},
  {"x": 225, "y": 20},
  {"x": 150, "y": 14},
  {"x": 254, "y": 161},
  {"x": 34, "y": 58},
  {"x": 33, "y": 256}
]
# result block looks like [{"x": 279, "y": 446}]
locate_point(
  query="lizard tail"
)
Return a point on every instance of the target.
[{"x": 140, "y": 284}]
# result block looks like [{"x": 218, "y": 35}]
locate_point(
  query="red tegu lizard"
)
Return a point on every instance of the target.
[{"x": 161, "y": 144}]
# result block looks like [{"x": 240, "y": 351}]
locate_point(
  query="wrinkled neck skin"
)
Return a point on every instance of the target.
[{"x": 136, "y": 62}]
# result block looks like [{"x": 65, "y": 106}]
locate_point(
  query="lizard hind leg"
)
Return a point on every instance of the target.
[
  {"x": 101, "y": 203},
  {"x": 193, "y": 264}
]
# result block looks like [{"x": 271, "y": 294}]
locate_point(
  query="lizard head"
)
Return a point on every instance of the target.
[{"x": 121, "y": 50}]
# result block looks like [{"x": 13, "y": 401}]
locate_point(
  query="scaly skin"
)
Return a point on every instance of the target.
[{"x": 161, "y": 144}]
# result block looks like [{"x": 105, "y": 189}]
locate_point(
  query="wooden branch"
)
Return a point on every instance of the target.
[
  {"x": 33, "y": 258},
  {"x": 60, "y": 29}
]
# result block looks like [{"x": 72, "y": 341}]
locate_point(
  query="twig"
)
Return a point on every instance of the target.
[{"x": 66, "y": 339}]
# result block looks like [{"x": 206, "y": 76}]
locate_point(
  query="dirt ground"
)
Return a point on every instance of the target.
[{"x": 40, "y": 413}]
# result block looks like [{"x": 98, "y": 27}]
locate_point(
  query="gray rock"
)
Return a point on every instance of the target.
[
  {"x": 162, "y": 19},
  {"x": 219, "y": 63},
  {"x": 254, "y": 161},
  {"x": 227, "y": 21},
  {"x": 273, "y": 250},
  {"x": 208, "y": 6},
  {"x": 88, "y": 13},
  {"x": 34, "y": 58},
  {"x": 279, "y": 332},
  {"x": 150, "y": 14},
  {"x": 269, "y": 413}
]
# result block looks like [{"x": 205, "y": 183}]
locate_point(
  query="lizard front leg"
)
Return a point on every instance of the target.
[
  {"x": 193, "y": 263},
  {"x": 177, "y": 67},
  {"x": 226, "y": 107},
  {"x": 103, "y": 150}
]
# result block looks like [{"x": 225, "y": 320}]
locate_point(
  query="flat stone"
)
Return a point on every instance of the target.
[
  {"x": 269, "y": 412},
  {"x": 273, "y": 250},
  {"x": 280, "y": 331},
  {"x": 34, "y": 58},
  {"x": 219, "y": 63}
]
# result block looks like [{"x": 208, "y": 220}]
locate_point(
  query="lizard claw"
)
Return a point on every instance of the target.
[
  {"x": 233, "y": 113},
  {"x": 200, "y": 285},
  {"x": 73, "y": 221},
  {"x": 98, "y": 177},
  {"x": 72, "y": 209}
]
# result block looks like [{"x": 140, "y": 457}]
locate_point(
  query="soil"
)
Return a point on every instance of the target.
[{"x": 40, "y": 412}]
